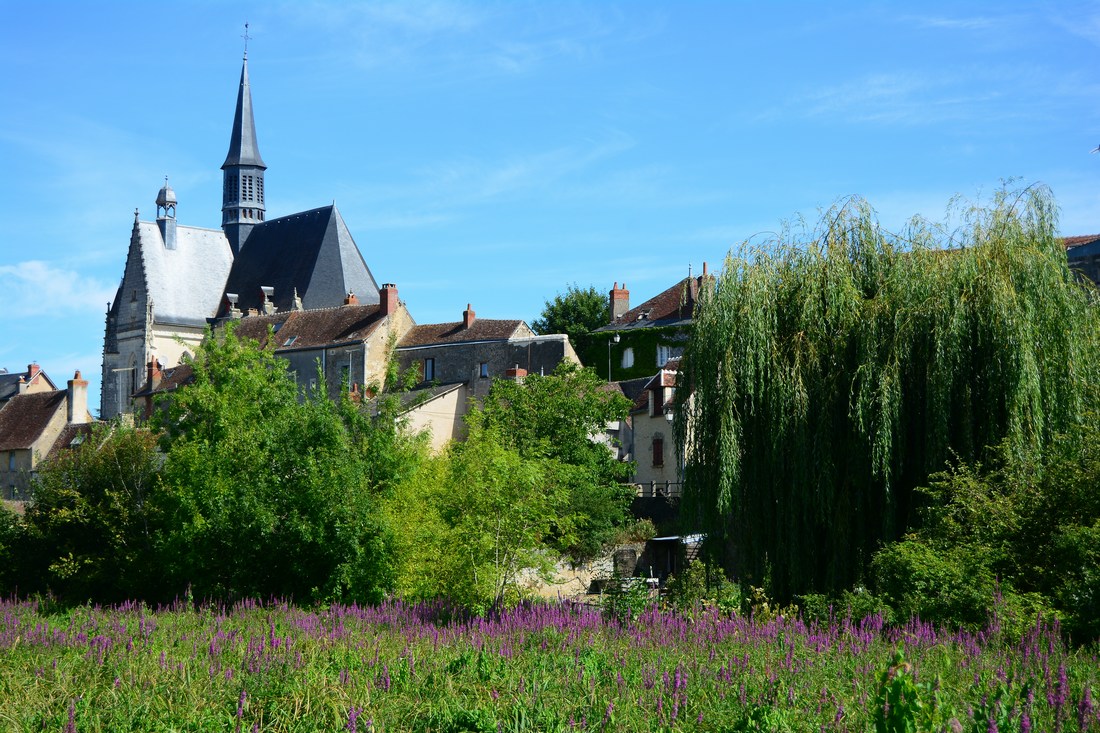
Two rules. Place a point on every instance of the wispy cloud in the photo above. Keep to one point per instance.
(44, 291)
(972, 23)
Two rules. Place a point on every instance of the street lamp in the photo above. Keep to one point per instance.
(613, 339)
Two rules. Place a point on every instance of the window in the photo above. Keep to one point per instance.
(484, 371)
(11, 460)
(429, 370)
(663, 354)
(658, 452)
(628, 357)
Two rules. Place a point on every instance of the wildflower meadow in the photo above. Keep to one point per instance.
(535, 667)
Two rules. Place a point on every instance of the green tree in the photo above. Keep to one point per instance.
(92, 527)
(831, 377)
(558, 417)
(574, 313)
(270, 494)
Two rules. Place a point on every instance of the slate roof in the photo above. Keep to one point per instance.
(675, 305)
(311, 329)
(482, 329)
(9, 383)
(630, 388)
(25, 416)
(311, 252)
(243, 148)
(185, 283)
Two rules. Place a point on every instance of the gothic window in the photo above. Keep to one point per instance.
(260, 189)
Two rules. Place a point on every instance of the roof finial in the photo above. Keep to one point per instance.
(246, 37)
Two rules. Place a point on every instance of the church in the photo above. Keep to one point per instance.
(178, 279)
(302, 279)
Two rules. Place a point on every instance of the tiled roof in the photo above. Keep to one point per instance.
(674, 305)
(170, 380)
(482, 329)
(313, 328)
(311, 252)
(1071, 242)
(68, 438)
(25, 416)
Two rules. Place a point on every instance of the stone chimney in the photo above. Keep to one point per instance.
(468, 316)
(78, 400)
(234, 311)
(387, 299)
(269, 299)
(618, 302)
(23, 384)
(350, 299)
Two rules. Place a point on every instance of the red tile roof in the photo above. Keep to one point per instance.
(1071, 242)
(25, 416)
(671, 306)
(482, 329)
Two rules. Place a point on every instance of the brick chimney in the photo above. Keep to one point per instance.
(153, 374)
(516, 373)
(33, 370)
(350, 299)
(468, 316)
(387, 299)
(78, 400)
(619, 301)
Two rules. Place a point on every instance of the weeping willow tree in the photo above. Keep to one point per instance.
(830, 377)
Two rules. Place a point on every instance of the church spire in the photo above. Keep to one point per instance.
(243, 169)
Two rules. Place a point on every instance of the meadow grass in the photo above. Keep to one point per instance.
(545, 667)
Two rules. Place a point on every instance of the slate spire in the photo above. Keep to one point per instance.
(243, 171)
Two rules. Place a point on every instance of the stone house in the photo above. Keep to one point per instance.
(17, 383)
(35, 423)
(1083, 254)
(641, 339)
(457, 362)
(653, 445)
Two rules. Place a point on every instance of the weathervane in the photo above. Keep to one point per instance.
(246, 37)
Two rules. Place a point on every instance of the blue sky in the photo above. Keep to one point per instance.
(493, 153)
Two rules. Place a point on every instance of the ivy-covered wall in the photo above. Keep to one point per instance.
(593, 350)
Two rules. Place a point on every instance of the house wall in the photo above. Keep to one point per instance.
(442, 417)
(1086, 260)
(461, 362)
(366, 360)
(645, 341)
(646, 429)
(17, 467)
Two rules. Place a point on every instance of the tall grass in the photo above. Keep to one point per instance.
(397, 667)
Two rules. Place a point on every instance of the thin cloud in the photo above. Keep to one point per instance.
(44, 291)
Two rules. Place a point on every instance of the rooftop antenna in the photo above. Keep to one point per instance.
(246, 37)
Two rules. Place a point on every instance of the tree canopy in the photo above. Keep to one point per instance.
(574, 313)
(829, 377)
